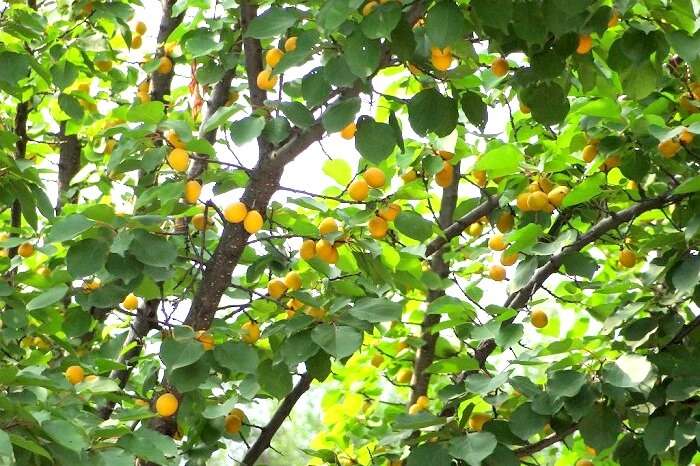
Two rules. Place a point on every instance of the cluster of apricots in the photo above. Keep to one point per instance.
(265, 80)
(670, 147)
(541, 196)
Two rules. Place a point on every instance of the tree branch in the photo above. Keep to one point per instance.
(68, 165)
(533, 448)
(160, 83)
(686, 330)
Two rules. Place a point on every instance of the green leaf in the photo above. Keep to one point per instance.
(688, 186)
(566, 383)
(524, 422)
(417, 421)
(474, 447)
(6, 452)
(246, 129)
(150, 112)
(298, 348)
(315, 88)
(189, 378)
(202, 42)
(338, 341)
(177, 353)
(377, 310)
(628, 371)
(220, 116)
(686, 275)
(333, 13)
(297, 113)
(152, 250)
(413, 225)
(68, 228)
(430, 111)
(149, 445)
(547, 64)
(635, 165)
(474, 108)
(374, 141)
(340, 114)
(381, 21)
(86, 257)
(600, 427)
(580, 264)
(445, 24)
(101, 385)
(274, 379)
(658, 434)
(15, 67)
(339, 170)
(548, 102)
(30, 446)
(362, 55)
(585, 191)
(276, 130)
(630, 451)
(71, 106)
(494, 13)
(48, 297)
(274, 22)
(66, 434)
(501, 161)
(523, 273)
(432, 454)
(237, 357)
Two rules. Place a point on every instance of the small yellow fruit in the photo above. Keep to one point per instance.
(557, 195)
(165, 65)
(130, 302)
(522, 201)
(110, 144)
(477, 421)
(423, 401)
(505, 222)
(584, 463)
(627, 258)
(253, 222)
(669, 148)
(44, 271)
(612, 22)
(294, 304)
(25, 250)
(166, 405)
(273, 57)
(136, 41)
(390, 212)
(415, 409)
(499, 67)
(444, 177)
(140, 27)
(172, 137)
(585, 44)
(369, 7)
(316, 313)
(509, 259)
(348, 132)
(374, 177)
(276, 288)
(169, 48)
(308, 249)
(179, 160)
(326, 251)
(480, 177)
(238, 413)
(328, 225)
(591, 451)
(290, 44)
(200, 222)
(192, 191)
(497, 272)
(404, 375)
(378, 227)
(409, 176)
(103, 65)
(292, 280)
(537, 201)
(235, 212)
(92, 285)
(377, 360)
(250, 332)
(475, 229)
(265, 80)
(441, 58)
(75, 375)
(589, 153)
(206, 339)
(358, 189)
(539, 318)
(90, 378)
(632, 185)
(686, 137)
(497, 242)
(233, 424)
(445, 154)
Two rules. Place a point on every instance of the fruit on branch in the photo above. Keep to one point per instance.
(539, 318)
(537, 201)
(250, 332)
(583, 462)
(611, 162)
(290, 44)
(307, 250)
(348, 132)
(497, 242)
(390, 212)
(130, 302)
(474, 230)
(612, 22)
(377, 360)
(480, 177)
(266, 81)
(206, 339)
(423, 401)
(499, 67)
(170, 135)
(273, 57)
(686, 137)
(253, 222)
(497, 272)
(276, 288)
(404, 375)
(136, 41)
(415, 409)
(590, 152)
(508, 259)
(233, 423)
(317, 313)
(374, 177)
(326, 251)
(585, 44)
(192, 191)
(179, 160)
(445, 154)
(103, 64)
(140, 27)
(522, 201)
(167, 404)
(669, 148)
(165, 65)
(477, 421)
(441, 58)
(292, 280)
(505, 222)
(444, 177)
(377, 227)
(74, 375)
(409, 176)
(25, 250)
(235, 212)
(627, 258)
(358, 190)
(557, 195)
(201, 222)
(369, 7)
(328, 225)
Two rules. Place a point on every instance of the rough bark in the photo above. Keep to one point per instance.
(68, 165)
(160, 82)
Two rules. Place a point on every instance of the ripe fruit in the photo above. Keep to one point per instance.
(349, 131)
(250, 332)
(235, 212)
(445, 154)
(585, 44)
(265, 80)
(686, 137)
(505, 222)
(377, 360)
(612, 161)
(253, 221)
(539, 318)
(200, 222)
(474, 230)
(497, 242)
(480, 177)
(669, 148)
(497, 272)
(238, 413)
(25, 250)
(557, 195)
(477, 421)
(369, 7)
(140, 27)
(165, 65)
(130, 302)
(441, 58)
(316, 312)
(377, 227)
(404, 375)
(294, 304)
(409, 176)
(290, 44)
(192, 191)
(415, 409)
(276, 288)
(390, 212)
(522, 201)
(169, 48)
(584, 463)
(136, 41)
(358, 190)
(328, 225)
(374, 177)
(423, 401)
(612, 22)
(91, 285)
(206, 339)
(233, 424)
(509, 259)
(627, 258)
(444, 177)
(499, 67)
(273, 57)
(292, 280)
(326, 251)
(166, 405)
(170, 135)
(537, 201)
(75, 375)
(308, 249)
(589, 152)
(179, 160)
(103, 65)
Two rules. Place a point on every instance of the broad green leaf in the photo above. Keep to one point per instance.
(71, 106)
(86, 257)
(686, 274)
(566, 383)
(688, 186)
(377, 310)
(585, 191)
(177, 353)
(413, 225)
(66, 434)
(381, 21)
(338, 341)
(150, 112)
(524, 422)
(246, 129)
(600, 427)
(501, 161)
(628, 371)
(431, 112)
(374, 141)
(658, 434)
(220, 116)
(474, 447)
(340, 114)
(494, 13)
(237, 357)
(153, 250)
(273, 22)
(68, 228)
(474, 108)
(297, 113)
(362, 55)
(445, 24)
(433, 454)
(150, 445)
(48, 297)
(339, 170)
(548, 103)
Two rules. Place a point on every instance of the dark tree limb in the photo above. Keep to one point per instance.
(686, 330)
(21, 116)
(533, 448)
(160, 82)
(271, 428)
(68, 165)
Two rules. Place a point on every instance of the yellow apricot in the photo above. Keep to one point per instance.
(136, 41)
(377, 360)
(627, 258)
(415, 409)
(166, 405)
(192, 191)
(348, 132)
(390, 212)
(290, 44)
(477, 421)
(409, 176)
(505, 222)
(445, 176)
(508, 259)
(308, 249)
(266, 80)
(499, 67)
(292, 280)
(140, 27)
(497, 242)
(522, 201)
(369, 7)
(475, 229)
(74, 375)
(206, 339)
(233, 424)
(273, 57)
(612, 22)
(480, 177)
(374, 177)
(103, 64)
(326, 251)
(25, 250)
(130, 302)
(172, 137)
(253, 222)
(316, 313)
(497, 272)
(276, 288)
(235, 212)
(378, 227)
(585, 44)
(404, 375)
(441, 62)
(328, 225)
(557, 195)
(423, 401)
(537, 201)
(669, 148)
(250, 332)
(358, 189)
(686, 137)
(165, 65)
(589, 152)
(200, 222)
(179, 160)
(539, 318)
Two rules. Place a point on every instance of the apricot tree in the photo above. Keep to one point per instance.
(466, 291)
